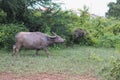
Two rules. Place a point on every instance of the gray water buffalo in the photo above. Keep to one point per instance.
(35, 40)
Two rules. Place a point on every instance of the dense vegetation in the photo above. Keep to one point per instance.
(23, 15)
(114, 10)
(101, 32)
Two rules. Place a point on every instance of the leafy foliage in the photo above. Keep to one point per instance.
(114, 9)
(101, 32)
(7, 34)
(15, 9)
(113, 71)
(19, 10)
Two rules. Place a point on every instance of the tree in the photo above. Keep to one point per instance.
(17, 10)
(84, 14)
(46, 10)
(14, 9)
(114, 9)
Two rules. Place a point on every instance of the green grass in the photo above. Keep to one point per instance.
(76, 60)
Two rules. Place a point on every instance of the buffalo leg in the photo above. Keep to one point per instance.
(46, 51)
(16, 49)
(37, 50)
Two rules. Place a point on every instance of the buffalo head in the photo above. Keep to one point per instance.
(56, 38)
(79, 33)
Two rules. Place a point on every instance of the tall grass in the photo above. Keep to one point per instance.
(76, 60)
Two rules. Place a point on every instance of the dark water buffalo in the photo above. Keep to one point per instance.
(35, 40)
(79, 33)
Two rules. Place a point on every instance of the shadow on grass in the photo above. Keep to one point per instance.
(31, 53)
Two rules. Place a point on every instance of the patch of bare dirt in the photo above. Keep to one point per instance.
(45, 76)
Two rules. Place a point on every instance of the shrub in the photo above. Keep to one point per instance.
(102, 32)
(115, 71)
(7, 33)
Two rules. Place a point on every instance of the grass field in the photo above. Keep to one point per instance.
(76, 60)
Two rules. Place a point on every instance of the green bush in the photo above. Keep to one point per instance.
(115, 71)
(102, 32)
(7, 33)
